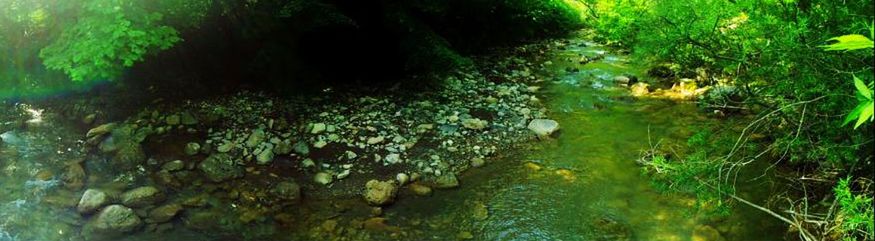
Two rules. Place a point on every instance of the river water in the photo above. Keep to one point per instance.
(584, 184)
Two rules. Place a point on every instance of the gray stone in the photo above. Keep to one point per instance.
(92, 200)
(100, 130)
(142, 197)
(220, 167)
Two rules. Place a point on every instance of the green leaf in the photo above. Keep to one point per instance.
(866, 114)
(862, 88)
(849, 42)
(854, 114)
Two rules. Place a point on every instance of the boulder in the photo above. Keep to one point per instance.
(142, 197)
(172, 166)
(220, 167)
(114, 219)
(379, 193)
(543, 127)
(265, 156)
(92, 200)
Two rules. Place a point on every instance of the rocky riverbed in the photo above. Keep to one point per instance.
(225, 164)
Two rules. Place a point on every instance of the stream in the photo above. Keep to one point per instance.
(584, 184)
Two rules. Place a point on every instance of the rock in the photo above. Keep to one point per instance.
(225, 147)
(308, 163)
(113, 220)
(265, 156)
(287, 190)
(706, 233)
(220, 167)
(477, 162)
(481, 211)
(402, 178)
(393, 158)
(89, 119)
(448, 180)
(172, 120)
(640, 89)
(610, 229)
(100, 130)
(475, 124)
(318, 128)
(319, 144)
(543, 127)
(129, 155)
(419, 189)
(343, 174)
(323, 178)
(192, 148)
(172, 166)
(302, 148)
(164, 213)
(142, 197)
(92, 200)
(255, 138)
(283, 147)
(188, 119)
(74, 176)
(375, 140)
(379, 193)
(622, 79)
(465, 235)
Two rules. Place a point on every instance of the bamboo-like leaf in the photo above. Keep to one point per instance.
(862, 88)
(849, 42)
(866, 114)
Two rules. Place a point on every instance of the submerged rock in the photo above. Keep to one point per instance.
(543, 127)
(265, 156)
(113, 220)
(220, 167)
(287, 190)
(92, 200)
(255, 138)
(447, 180)
(706, 233)
(164, 213)
(74, 176)
(419, 189)
(142, 197)
(379, 193)
(171, 166)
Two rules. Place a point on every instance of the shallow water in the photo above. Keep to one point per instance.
(584, 184)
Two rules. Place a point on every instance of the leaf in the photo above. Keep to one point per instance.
(862, 88)
(866, 114)
(854, 114)
(849, 42)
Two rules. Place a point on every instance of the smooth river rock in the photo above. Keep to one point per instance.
(142, 197)
(543, 127)
(92, 200)
(112, 220)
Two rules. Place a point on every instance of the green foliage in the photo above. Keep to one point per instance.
(110, 36)
(855, 212)
(864, 109)
(695, 173)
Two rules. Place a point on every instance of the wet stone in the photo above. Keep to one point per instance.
(380, 193)
(447, 180)
(142, 197)
(287, 190)
(92, 200)
(163, 213)
(220, 167)
(112, 220)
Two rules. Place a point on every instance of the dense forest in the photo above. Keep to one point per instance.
(782, 92)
